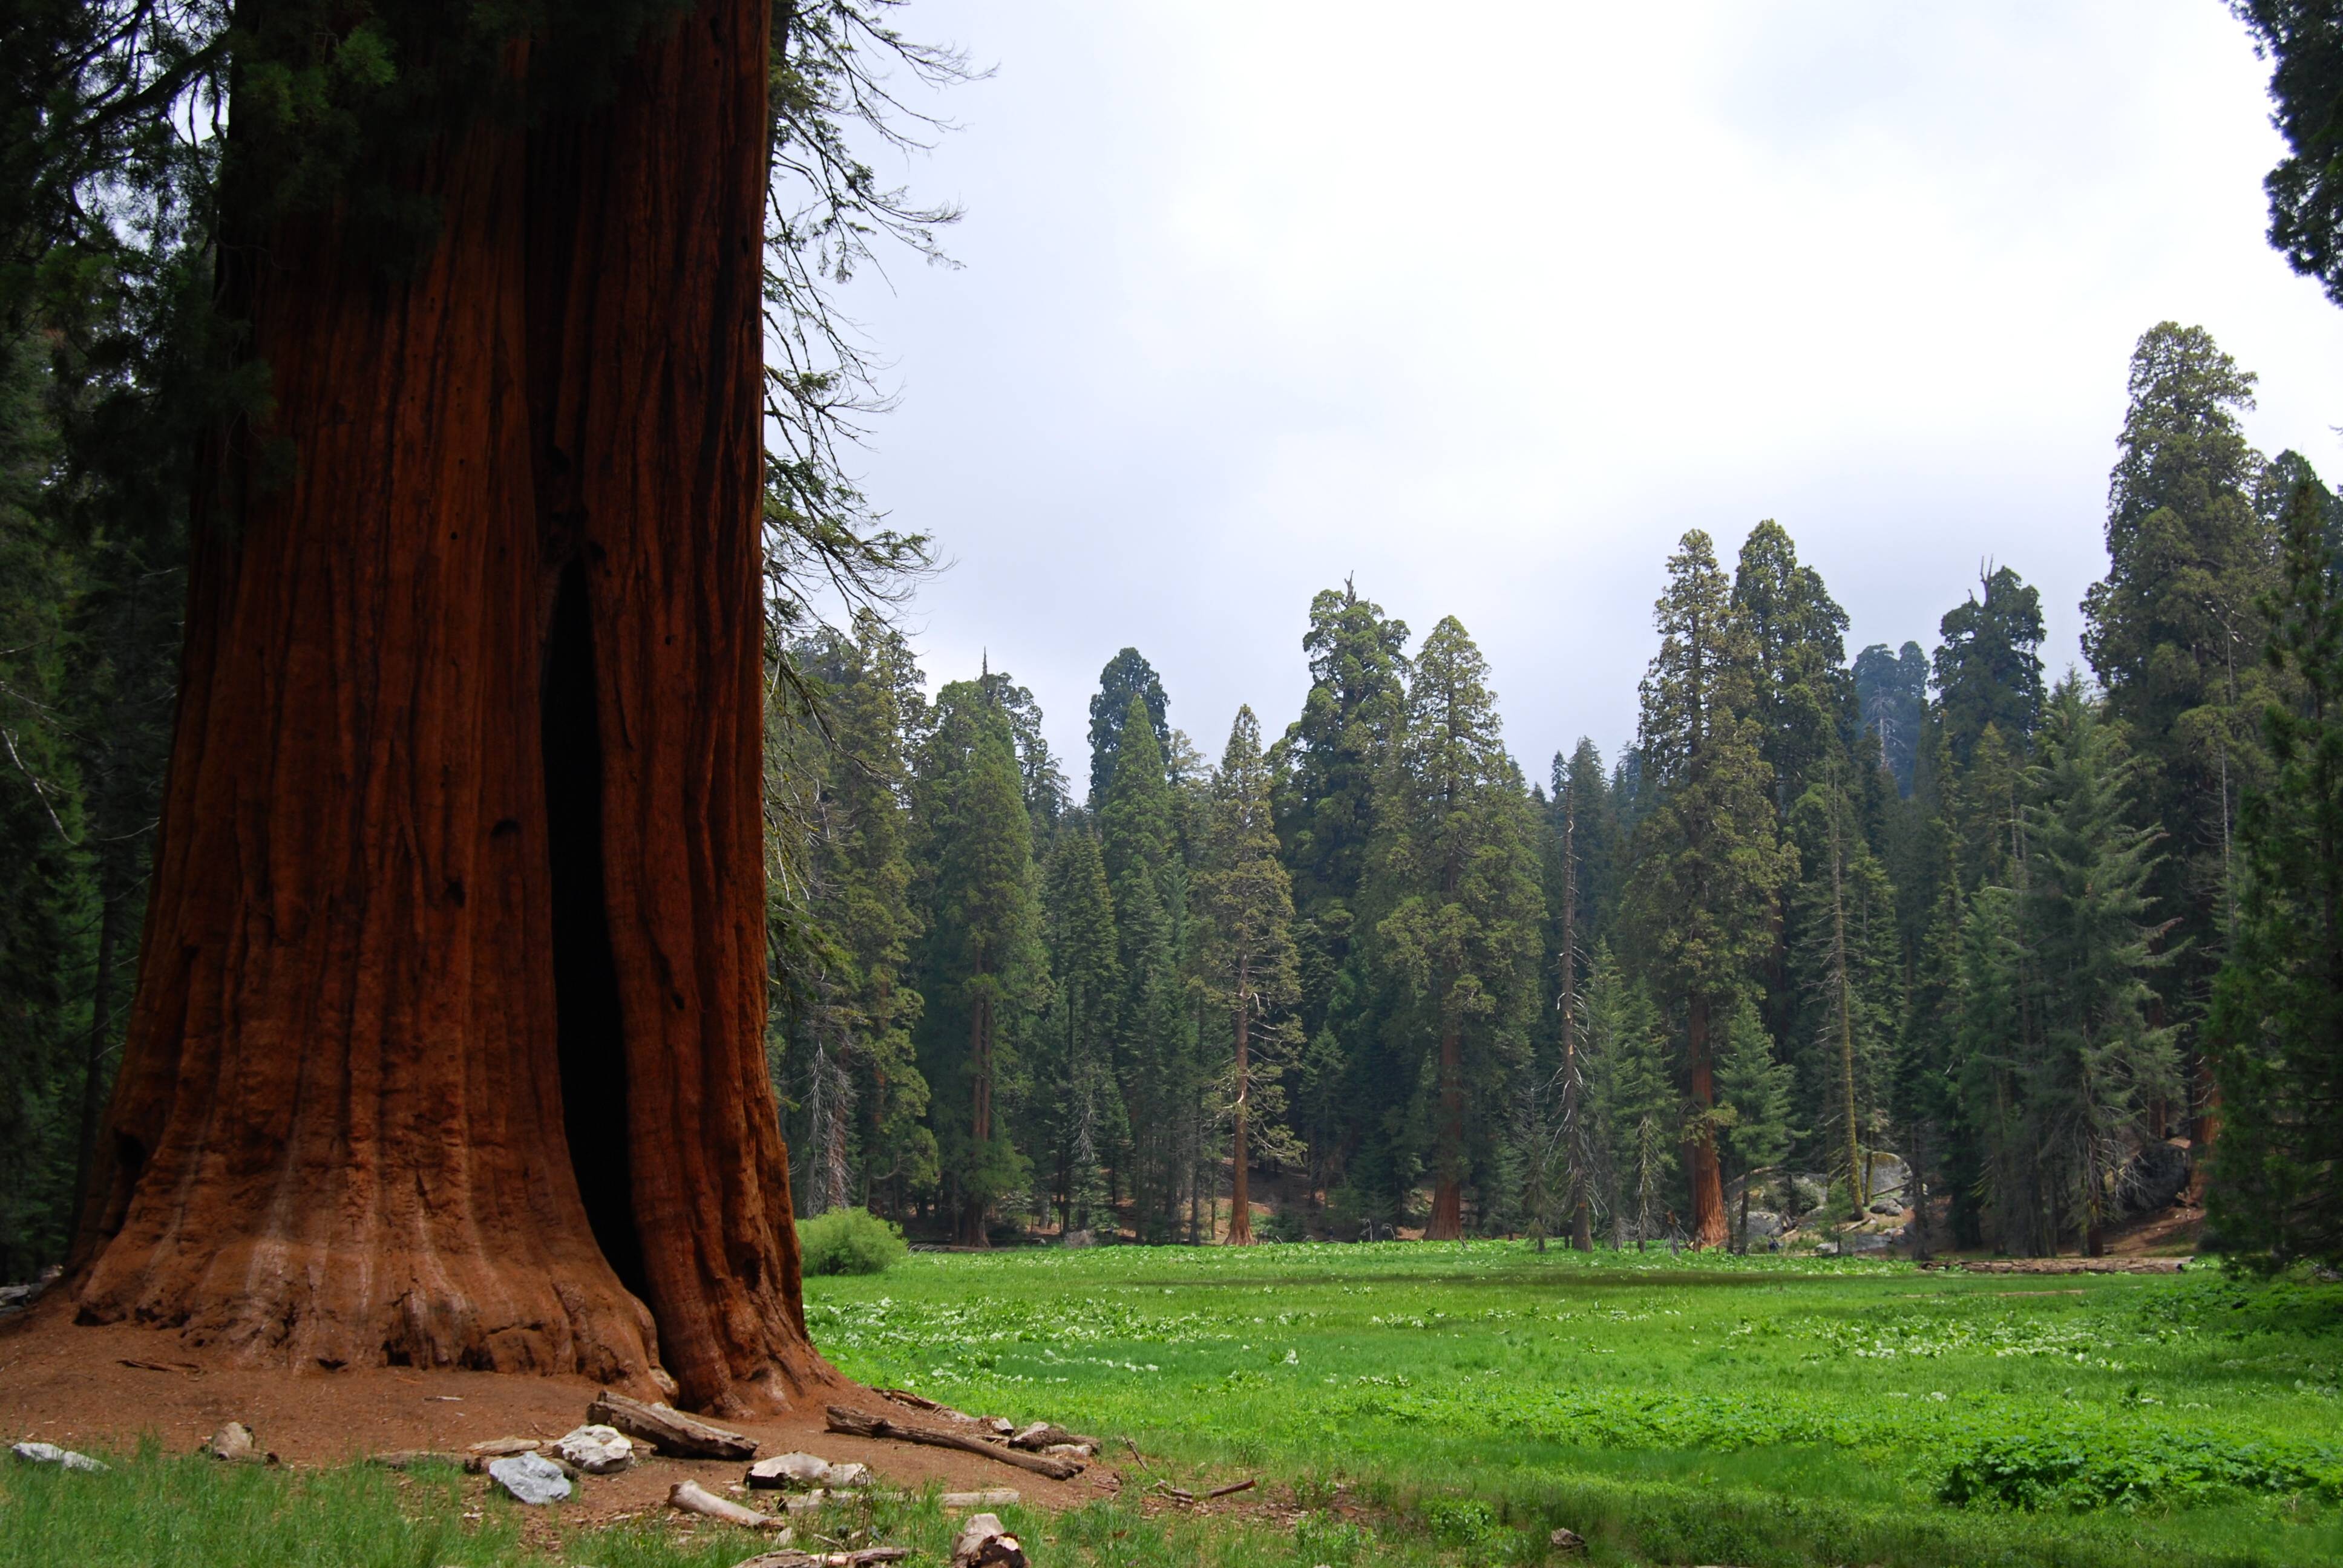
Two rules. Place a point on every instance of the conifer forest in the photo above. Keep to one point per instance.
(1827, 911)
(668, 845)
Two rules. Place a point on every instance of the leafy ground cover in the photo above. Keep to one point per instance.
(1416, 1404)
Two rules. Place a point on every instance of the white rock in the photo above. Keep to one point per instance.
(789, 1470)
(530, 1478)
(848, 1474)
(598, 1449)
(50, 1453)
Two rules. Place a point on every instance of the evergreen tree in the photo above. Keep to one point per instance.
(1630, 1105)
(863, 897)
(1708, 864)
(1892, 689)
(1083, 1117)
(2174, 631)
(1140, 848)
(1245, 904)
(2063, 1063)
(1581, 889)
(2276, 1033)
(1327, 770)
(1848, 962)
(1756, 1116)
(1987, 670)
(1126, 675)
(1466, 912)
(1794, 634)
(985, 969)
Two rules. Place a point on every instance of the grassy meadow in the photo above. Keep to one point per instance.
(1670, 1408)
(1431, 1403)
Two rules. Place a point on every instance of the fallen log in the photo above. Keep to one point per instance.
(689, 1497)
(1234, 1486)
(670, 1431)
(826, 1559)
(855, 1424)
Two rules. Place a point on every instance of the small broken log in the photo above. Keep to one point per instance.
(1176, 1493)
(1234, 1486)
(670, 1429)
(1042, 1436)
(190, 1368)
(998, 1497)
(689, 1497)
(826, 1559)
(499, 1447)
(855, 1424)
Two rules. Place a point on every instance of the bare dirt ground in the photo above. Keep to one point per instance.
(108, 1387)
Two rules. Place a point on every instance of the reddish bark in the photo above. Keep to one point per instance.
(448, 1045)
(1708, 1226)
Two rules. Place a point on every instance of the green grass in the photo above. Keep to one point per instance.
(1442, 1405)
(1671, 1410)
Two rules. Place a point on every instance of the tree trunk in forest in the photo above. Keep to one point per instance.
(448, 1045)
(1239, 1193)
(1447, 1221)
(1708, 1226)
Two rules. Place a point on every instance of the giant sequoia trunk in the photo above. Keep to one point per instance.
(1708, 1227)
(447, 1044)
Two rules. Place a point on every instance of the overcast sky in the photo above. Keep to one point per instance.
(1487, 304)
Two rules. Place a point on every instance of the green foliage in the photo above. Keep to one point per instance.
(1987, 671)
(2043, 1470)
(1127, 675)
(2305, 189)
(2175, 630)
(849, 1242)
(2276, 1026)
(984, 974)
(1668, 1409)
(1892, 692)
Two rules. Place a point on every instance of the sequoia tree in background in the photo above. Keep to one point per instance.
(446, 1049)
(1708, 864)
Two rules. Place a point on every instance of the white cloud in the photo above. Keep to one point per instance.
(1487, 306)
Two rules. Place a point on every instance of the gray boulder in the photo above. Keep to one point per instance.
(1763, 1223)
(1889, 1175)
(530, 1478)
